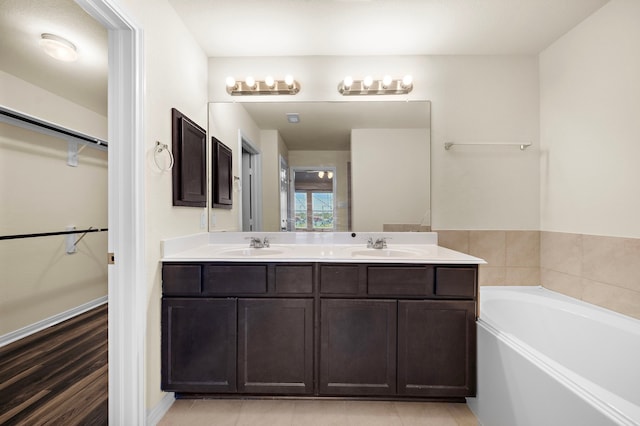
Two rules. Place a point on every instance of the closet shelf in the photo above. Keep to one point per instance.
(49, 234)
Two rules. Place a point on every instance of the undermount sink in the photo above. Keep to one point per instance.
(387, 252)
(251, 252)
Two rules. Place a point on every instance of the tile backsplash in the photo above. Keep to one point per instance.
(604, 271)
(513, 257)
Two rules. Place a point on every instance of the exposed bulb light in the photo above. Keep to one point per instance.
(407, 81)
(320, 175)
(270, 82)
(288, 80)
(369, 86)
(58, 47)
(268, 86)
(330, 175)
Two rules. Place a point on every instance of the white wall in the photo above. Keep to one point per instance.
(389, 177)
(175, 70)
(486, 98)
(41, 193)
(229, 123)
(590, 125)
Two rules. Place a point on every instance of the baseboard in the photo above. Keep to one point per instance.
(155, 414)
(23, 332)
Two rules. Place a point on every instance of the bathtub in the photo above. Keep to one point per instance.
(548, 359)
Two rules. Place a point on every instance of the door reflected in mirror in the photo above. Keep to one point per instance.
(374, 158)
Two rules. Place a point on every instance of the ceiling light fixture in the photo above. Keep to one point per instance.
(270, 86)
(369, 86)
(58, 47)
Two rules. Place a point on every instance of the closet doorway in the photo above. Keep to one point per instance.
(126, 273)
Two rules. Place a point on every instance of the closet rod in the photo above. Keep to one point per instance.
(49, 234)
(28, 122)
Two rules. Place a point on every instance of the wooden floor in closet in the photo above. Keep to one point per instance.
(58, 375)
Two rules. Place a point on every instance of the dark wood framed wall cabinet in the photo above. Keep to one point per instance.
(222, 160)
(189, 170)
(378, 331)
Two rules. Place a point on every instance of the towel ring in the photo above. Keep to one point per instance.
(162, 147)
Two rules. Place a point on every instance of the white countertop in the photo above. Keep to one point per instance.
(402, 247)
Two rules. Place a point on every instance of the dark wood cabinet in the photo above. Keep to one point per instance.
(320, 329)
(199, 345)
(222, 175)
(358, 347)
(189, 143)
(275, 346)
(436, 348)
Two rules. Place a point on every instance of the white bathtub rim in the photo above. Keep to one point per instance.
(596, 397)
(566, 303)
(616, 408)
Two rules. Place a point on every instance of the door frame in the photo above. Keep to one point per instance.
(292, 191)
(248, 145)
(127, 288)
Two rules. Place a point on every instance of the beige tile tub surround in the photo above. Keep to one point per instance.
(316, 413)
(513, 257)
(601, 270)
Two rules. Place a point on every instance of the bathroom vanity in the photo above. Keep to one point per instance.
(317, 320)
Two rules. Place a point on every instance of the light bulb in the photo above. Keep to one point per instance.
(348, 81)
(251, 82)
(407, 81)
(320, 175)
(386, 81)
(367, 82)
(288, 79)
(330, 175)
(269, 81)
(231, 82)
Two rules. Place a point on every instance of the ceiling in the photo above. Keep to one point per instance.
(380, 27)
(288, 28)
(328, 125)
(83, 82)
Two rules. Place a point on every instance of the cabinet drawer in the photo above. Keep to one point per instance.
(236, 279)
(181, 280)
(294, 279)
(339, 279)
(401, 280)
(456, 282)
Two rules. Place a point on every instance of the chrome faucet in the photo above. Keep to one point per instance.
(258, 243)
(379, 243)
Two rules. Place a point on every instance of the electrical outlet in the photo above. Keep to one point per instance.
(203, 219)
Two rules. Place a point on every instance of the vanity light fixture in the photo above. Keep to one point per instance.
(58, 47)
(322, 174)
(268, 86)
(369, 86)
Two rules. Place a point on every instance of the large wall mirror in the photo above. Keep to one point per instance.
(326, 166)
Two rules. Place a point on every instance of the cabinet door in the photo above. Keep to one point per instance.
(275, 346)
(358, 347)
(436, 348)
(189, 171)
(222, 175)
(199, 345)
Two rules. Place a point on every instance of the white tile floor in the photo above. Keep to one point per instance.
(316, 413)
